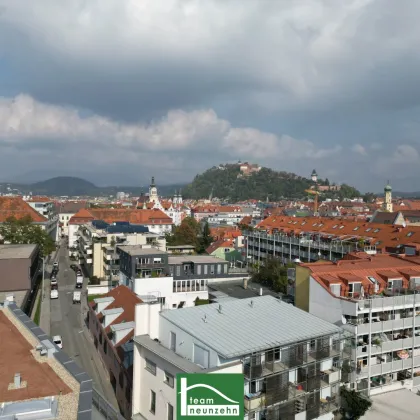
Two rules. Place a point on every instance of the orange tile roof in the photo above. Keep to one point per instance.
(381, 235)
(18, 208)
(381, 267)
(134, 216)
(225, 232)
(124, 298)
(221, 243)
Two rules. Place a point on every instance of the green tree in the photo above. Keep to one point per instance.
(23, 231)
(185, 234)
(272, 274)
(205, 238)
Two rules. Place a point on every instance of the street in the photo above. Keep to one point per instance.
(67, 320)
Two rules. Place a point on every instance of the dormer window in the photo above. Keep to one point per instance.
(341, 227)
(334, 226)
(356, 228)
(410, 234)
(315, 224)
(368, 229)
(376, 230)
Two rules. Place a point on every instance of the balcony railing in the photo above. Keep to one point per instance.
(151, 265)
(254, 402)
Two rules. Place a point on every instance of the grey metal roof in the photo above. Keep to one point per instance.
(104, 299)
(166, 354)
(137, 250)
(203, 259)
(112, 311)
(16, 251)
(248, 325)
(122, 326)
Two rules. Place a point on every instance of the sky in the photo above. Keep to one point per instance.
(116, 91)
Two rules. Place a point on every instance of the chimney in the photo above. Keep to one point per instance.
(245, 284)
(260, 291)
(17, 380)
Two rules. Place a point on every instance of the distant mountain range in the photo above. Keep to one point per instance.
(72, 186)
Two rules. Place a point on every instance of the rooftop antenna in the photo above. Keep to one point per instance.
(220, 309)
(205, 319)
(252, 303)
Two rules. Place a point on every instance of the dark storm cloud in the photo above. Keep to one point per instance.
(323, 77)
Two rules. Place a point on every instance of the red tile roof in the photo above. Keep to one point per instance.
(382, 267)
(221, 243)
(18, 208)
(381, 235)
(134, 216)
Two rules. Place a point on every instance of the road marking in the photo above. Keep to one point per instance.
(80, 331)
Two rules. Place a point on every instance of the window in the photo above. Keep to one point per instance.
(341, 227)
(151, 367)
(303, 223)
(356, 228)
(212, 269)
(376, 230)
(368, 229)
(321, 224)
(219, 269)
(172, 341)
(201, 356)
(152, 402)
(198, 269)
(169, 379)
(205, 269)
(170, 412)
(178, 270)
(410, 234)
(334, 226)
(315, 224)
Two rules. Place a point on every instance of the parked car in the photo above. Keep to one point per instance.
(77, 297)
(53, 276)
(55, 264)
(74, 267)
(58, 341)
(54, 294)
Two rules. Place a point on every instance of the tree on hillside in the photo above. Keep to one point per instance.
(273, 274)
(23, 231)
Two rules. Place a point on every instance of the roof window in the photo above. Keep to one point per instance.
(368, 229)
(321, 224)
(334, 226)
(376, 230)
(356, 228)
(315, 224)
(303, 223)
(410, 234)
(341, 227)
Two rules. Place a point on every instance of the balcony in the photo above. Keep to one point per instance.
(254, 402)
(150, 265)
(389, 367)
(388, 325)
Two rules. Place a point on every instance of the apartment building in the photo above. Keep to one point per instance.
(17, 208)
(20, 268)
(111, 323)
(154, 220)
(315, 238)
(43, 205)
(290, 359)
(227, 215)
(376, 299)
(66, 210)
(176, 281)
(38, 380)
(97, 241)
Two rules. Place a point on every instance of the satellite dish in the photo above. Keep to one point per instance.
(404, 224)
(343, 320)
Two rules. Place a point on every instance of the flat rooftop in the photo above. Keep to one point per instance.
(8, 252)
(235, 289)
(196, 259)
(248, 325)
(17, 356)
(399, 404)
(139, 250)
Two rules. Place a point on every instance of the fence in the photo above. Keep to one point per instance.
(103, 406)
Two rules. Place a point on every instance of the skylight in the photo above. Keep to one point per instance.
(356, 228)
(341, 227)
(321, 224)
(368, 229)
(315, 224)
(410, 234)
(334, 226)
(376, 230)
(303, 223)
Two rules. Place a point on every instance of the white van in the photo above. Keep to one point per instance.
(54, 294)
